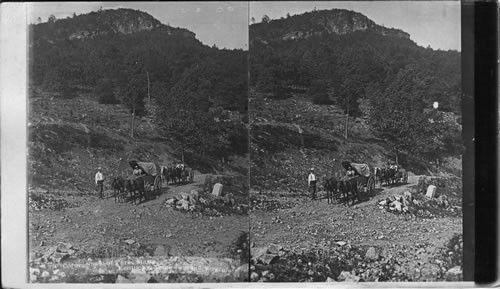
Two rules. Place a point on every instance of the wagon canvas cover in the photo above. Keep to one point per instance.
(148, 168)
(362, 169)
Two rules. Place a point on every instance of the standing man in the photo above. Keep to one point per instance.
(99, 181)
(312, 184)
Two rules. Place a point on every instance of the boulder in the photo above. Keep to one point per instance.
(405, 202)
(129, 241)
(329, 279)
(341, 243)
(347, 276)
(382, 203)
(183, 204)
(59, 257)
(372, 254)
(431, 191)
(64, 247)
(254, 277)
(258, 252)
(407, 195)
(454, 274)
(241, 273)
(170, 202)
(184, 195)
(229, 199)
(141, 278)
(122, 280)
(269, 258)
(274, 249)
(397, 206)
(217, 190)
(160, 251)
(194, 196)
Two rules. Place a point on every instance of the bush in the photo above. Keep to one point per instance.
(104, 91)
(319, 93)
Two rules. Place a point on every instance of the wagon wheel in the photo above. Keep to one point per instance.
(157, 184)
(370, 185)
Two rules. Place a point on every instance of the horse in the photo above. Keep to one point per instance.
(377, 173)
(348, 185)
(389, 176)
(186, 174)
(331, 187)
(118, 185)
(135, 186)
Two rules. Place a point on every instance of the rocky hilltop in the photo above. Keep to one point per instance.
(315, 23)
(103, 22)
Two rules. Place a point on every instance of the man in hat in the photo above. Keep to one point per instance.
(312, 184)
(137, 171)
(350, 172)
(99, 181)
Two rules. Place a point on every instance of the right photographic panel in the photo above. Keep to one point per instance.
(355, 141)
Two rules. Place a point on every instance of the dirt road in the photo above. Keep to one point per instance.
(302, 225)
(100, 227)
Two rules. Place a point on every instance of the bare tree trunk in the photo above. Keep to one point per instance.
(182, 156)
(133, 118)
(347, 119)
(149, 95)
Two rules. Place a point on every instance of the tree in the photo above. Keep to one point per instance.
(105, 92)
(52, 18)
(319, 92)
(400, 116)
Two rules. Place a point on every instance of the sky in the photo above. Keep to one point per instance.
(225, 24)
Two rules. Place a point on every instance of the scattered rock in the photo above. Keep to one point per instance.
(330, 280)
(407, 195)
(341, 243)
(348, 277)
(45, 274)
(254, 277)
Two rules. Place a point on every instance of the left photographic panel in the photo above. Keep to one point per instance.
(138, 142)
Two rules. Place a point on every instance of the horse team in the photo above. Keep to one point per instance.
(136, 187)
(347, 188)
(176, 174)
